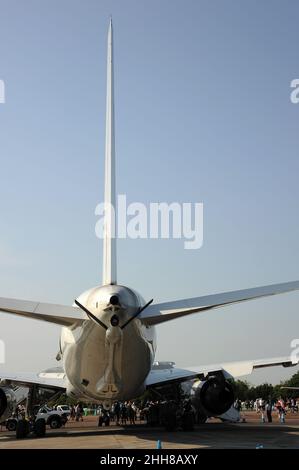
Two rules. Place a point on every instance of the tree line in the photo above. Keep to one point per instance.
(245, 391)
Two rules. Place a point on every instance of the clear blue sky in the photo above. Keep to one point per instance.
(203, 114)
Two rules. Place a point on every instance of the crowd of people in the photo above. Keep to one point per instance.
(76, 412)
(150, 412)
(122, 413)
(266, 407)
(119, 413)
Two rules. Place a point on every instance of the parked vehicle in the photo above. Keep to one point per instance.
(64, 408)
(54, 418)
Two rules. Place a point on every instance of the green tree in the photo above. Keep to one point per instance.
(264, 391)
(293, 381)
(285, 393)
(241, 389)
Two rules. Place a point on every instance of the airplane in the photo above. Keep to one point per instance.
(108, 342)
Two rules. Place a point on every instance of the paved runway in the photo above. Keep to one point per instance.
(213, 434)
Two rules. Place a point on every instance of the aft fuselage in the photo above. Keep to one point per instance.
(108, 362)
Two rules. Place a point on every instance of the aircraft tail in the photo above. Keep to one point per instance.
(109, 240)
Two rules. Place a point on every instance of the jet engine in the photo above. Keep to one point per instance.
(212, 397)
(8, 403)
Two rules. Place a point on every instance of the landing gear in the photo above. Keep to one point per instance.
(40, 428)
(170, 423)
(104, 418)
(200, 418)
(22, 429)
(23, 426)
(188, 421)
(177, 416)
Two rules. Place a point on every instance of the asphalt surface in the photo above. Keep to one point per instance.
(213, 434)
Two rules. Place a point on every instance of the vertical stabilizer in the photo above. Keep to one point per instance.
(109, 248)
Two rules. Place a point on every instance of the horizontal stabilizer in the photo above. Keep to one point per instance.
(60, 314)
(159, 313)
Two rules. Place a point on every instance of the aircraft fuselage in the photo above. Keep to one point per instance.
(108, 362)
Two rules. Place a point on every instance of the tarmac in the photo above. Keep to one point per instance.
(213, 434)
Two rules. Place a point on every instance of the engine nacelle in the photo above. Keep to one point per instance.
(8, 403)
(213, 396)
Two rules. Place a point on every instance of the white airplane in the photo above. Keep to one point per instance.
(108, 344)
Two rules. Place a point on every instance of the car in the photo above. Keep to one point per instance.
(54, 418)
(64, 408)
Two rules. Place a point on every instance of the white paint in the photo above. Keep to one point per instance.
(109, 244)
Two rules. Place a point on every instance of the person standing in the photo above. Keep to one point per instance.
(116, 412)
(72, 413)
(269, 411)
(131, 413)
(124, 413)
(262, 409)
(79, 412)
(281, 410)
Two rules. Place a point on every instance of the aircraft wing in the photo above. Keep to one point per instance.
(60, 314)
(230, 370)
(26, 380)
(159, 313)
